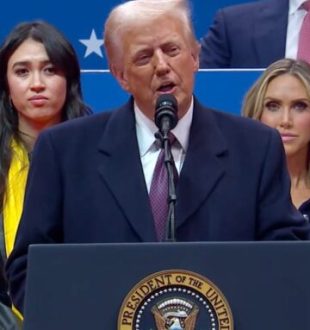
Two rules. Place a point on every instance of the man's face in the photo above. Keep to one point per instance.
(158, 58)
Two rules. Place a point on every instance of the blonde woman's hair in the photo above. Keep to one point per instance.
(253, 105)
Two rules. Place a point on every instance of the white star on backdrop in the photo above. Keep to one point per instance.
(92, 44)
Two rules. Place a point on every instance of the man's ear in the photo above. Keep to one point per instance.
(120, 77)
(195, 55)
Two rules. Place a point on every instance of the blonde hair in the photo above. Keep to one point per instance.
(135, 12)
(253, 103)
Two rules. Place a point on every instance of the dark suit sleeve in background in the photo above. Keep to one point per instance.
(215, 52)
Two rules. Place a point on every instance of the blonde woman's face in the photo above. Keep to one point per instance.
(287, 108)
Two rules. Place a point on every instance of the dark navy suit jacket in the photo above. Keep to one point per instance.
(251, 35)
(4, 299)
(86, 184)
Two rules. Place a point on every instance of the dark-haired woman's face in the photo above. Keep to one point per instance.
(36, 87)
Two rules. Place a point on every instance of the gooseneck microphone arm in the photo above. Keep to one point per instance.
(166, 119)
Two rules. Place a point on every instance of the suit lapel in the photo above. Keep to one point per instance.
(269, 34)
(121, 169)
(122, 172)
(203, 167)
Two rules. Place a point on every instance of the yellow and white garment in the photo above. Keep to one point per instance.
(14, 196)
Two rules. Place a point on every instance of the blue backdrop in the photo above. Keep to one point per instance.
(223, 89)
(82, 22)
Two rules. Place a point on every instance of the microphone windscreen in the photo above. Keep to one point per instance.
(166, 105)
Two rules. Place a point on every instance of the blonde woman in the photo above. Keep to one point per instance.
(280, 98)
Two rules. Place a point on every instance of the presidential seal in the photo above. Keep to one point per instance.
(175, 300)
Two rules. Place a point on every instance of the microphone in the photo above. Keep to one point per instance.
(166, 117)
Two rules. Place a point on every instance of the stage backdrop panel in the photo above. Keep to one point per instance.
(82, 21)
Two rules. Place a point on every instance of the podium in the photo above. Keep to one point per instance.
(264, 285)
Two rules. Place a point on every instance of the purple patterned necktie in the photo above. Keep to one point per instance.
(159, 193)
(304, 35)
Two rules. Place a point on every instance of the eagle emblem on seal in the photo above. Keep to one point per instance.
(175, 314)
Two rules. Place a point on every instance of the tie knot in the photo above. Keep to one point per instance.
(306, 5)
(159, 140)
(171, 138)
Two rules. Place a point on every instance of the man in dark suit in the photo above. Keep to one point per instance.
(89, 179)
(250, 35)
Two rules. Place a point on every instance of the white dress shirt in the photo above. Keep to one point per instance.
(146, 128)
(295, 18)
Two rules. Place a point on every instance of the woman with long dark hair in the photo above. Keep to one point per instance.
(39, 87)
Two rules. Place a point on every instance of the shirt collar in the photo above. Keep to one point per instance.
(295, 5)
(146, 129)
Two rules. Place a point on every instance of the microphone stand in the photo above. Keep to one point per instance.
(169, 163)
